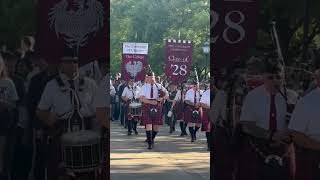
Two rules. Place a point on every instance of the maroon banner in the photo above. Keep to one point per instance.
(133, 65)
(178, 60)
(233, 29)
(77, 24)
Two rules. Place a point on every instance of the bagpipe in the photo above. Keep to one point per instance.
(290, 105)
(196, 110)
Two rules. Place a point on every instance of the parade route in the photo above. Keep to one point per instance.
(173, 156)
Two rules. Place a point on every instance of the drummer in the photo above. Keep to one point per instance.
(152, 95)
(205, 105)
(67, 96)
(128, 96)
(305, 128)
(192, 113)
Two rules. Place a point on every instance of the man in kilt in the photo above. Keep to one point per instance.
(265, 153)
(152, 95)
(192, 112)
(205, 106)
(178, 108)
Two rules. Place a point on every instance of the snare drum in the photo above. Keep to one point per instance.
(135, 109)
(81, 151)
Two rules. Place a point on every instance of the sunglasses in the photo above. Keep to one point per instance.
(274, 77)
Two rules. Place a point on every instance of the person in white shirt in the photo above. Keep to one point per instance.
(128, 96)
(264, 125)
(103, 112)
(206, 125)
(68, 98)
(152, 95)
(178, 103)
(305, 129)
(192, 112)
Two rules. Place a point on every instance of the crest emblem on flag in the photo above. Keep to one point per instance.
(75, 21)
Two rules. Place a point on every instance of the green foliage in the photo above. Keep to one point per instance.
(17, 18)
(289, 16)
(152, 21)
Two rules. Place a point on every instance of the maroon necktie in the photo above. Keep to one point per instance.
(273, 115)
(151, 92)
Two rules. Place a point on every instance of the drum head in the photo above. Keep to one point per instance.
(135, 105)
(80, 138)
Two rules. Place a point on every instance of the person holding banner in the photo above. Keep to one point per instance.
(192, 112)
(305, 129)
(266, 151)
(206, 126)
(152, 95)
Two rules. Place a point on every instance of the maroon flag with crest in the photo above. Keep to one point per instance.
(178, 56)
(134, 61)
(78, 24)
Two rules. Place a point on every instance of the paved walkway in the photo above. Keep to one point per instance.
(173, 156)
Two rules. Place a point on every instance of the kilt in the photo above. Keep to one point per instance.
(179, 110)
(307, 164)
(146, 119)
(188, 115)
(250, 163)
(206, 125)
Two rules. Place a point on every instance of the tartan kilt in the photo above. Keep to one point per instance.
(146, 119)
(179, 110)
(188, 115)
(206, 125)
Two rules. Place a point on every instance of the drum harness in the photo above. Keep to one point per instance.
(75, 101)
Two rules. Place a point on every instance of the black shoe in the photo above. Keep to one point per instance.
(146, 141)
(129, 133)
(150, 146)
(136, 132)
(185, 133)
(171, 131)
(192, 139)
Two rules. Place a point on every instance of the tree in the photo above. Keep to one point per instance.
(152, 21)
(18, 18)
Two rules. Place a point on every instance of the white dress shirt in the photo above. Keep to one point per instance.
(145, 91)
(128, 92)
(256, 108)
(305, 117)
(56, 99)
(190, 96)
(205, 98)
